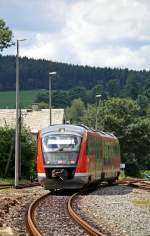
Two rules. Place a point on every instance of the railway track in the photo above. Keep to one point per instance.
(28, 185)
(35, 229)
(142, 184)
(20, 186)
(88, 228)
(30, 220)
(58, 221)
(5, 186)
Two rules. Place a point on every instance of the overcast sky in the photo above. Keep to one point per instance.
(111, 33)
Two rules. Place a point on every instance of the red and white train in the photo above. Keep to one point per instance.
(71, 156)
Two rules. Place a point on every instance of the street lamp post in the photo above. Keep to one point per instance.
(51, 74)
(97, 105)
(17, 138)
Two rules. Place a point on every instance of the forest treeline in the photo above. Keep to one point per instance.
(34, 75)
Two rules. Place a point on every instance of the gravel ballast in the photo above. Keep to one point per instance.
(119, 210)
(52, 218)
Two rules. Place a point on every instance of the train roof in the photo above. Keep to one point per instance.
(67, 127)
(78, 129)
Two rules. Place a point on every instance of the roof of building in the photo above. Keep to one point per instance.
(34, 120)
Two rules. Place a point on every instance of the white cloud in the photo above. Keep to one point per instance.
(114, 57)
(98, 32)
(41, 47)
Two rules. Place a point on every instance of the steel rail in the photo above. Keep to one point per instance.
(30, 221)
(138, 183)
(26, 185)
(5, 186)
(141, 185)
(88, 228)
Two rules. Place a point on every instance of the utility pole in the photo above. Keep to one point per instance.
(17, 138)
(97, 105)
(51, 74)
(17, 120)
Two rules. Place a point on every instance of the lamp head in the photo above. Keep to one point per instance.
(21, 40)
(53, 73)
(98, 96)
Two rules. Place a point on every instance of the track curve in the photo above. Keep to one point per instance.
(88, 228)
(32, 225)
(30, 222)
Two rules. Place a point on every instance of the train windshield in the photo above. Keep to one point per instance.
(60, 149)
(63, 142)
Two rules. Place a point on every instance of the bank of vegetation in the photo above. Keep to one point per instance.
(27, 165)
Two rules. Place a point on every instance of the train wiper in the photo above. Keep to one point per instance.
(60, 149)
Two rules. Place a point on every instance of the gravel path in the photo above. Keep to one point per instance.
(52, 218)
(120, 210)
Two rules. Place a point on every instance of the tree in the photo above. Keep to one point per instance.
(148, 110)
(89, 116)
(59, 98)
(43, 105)
(146, 87)
(119, 111)
(131, 88)
(138, 143)
(97, 89)
(5, 35)
(7, 152)
(113, 88)
(77, 92)
(42, 97)
(116, 115)
(143, 101)
(121, 116)
(76, 111)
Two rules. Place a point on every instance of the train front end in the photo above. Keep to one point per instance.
(58, 154)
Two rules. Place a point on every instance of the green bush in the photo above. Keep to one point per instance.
(7, 153)
(145, 174)
(132, 170)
